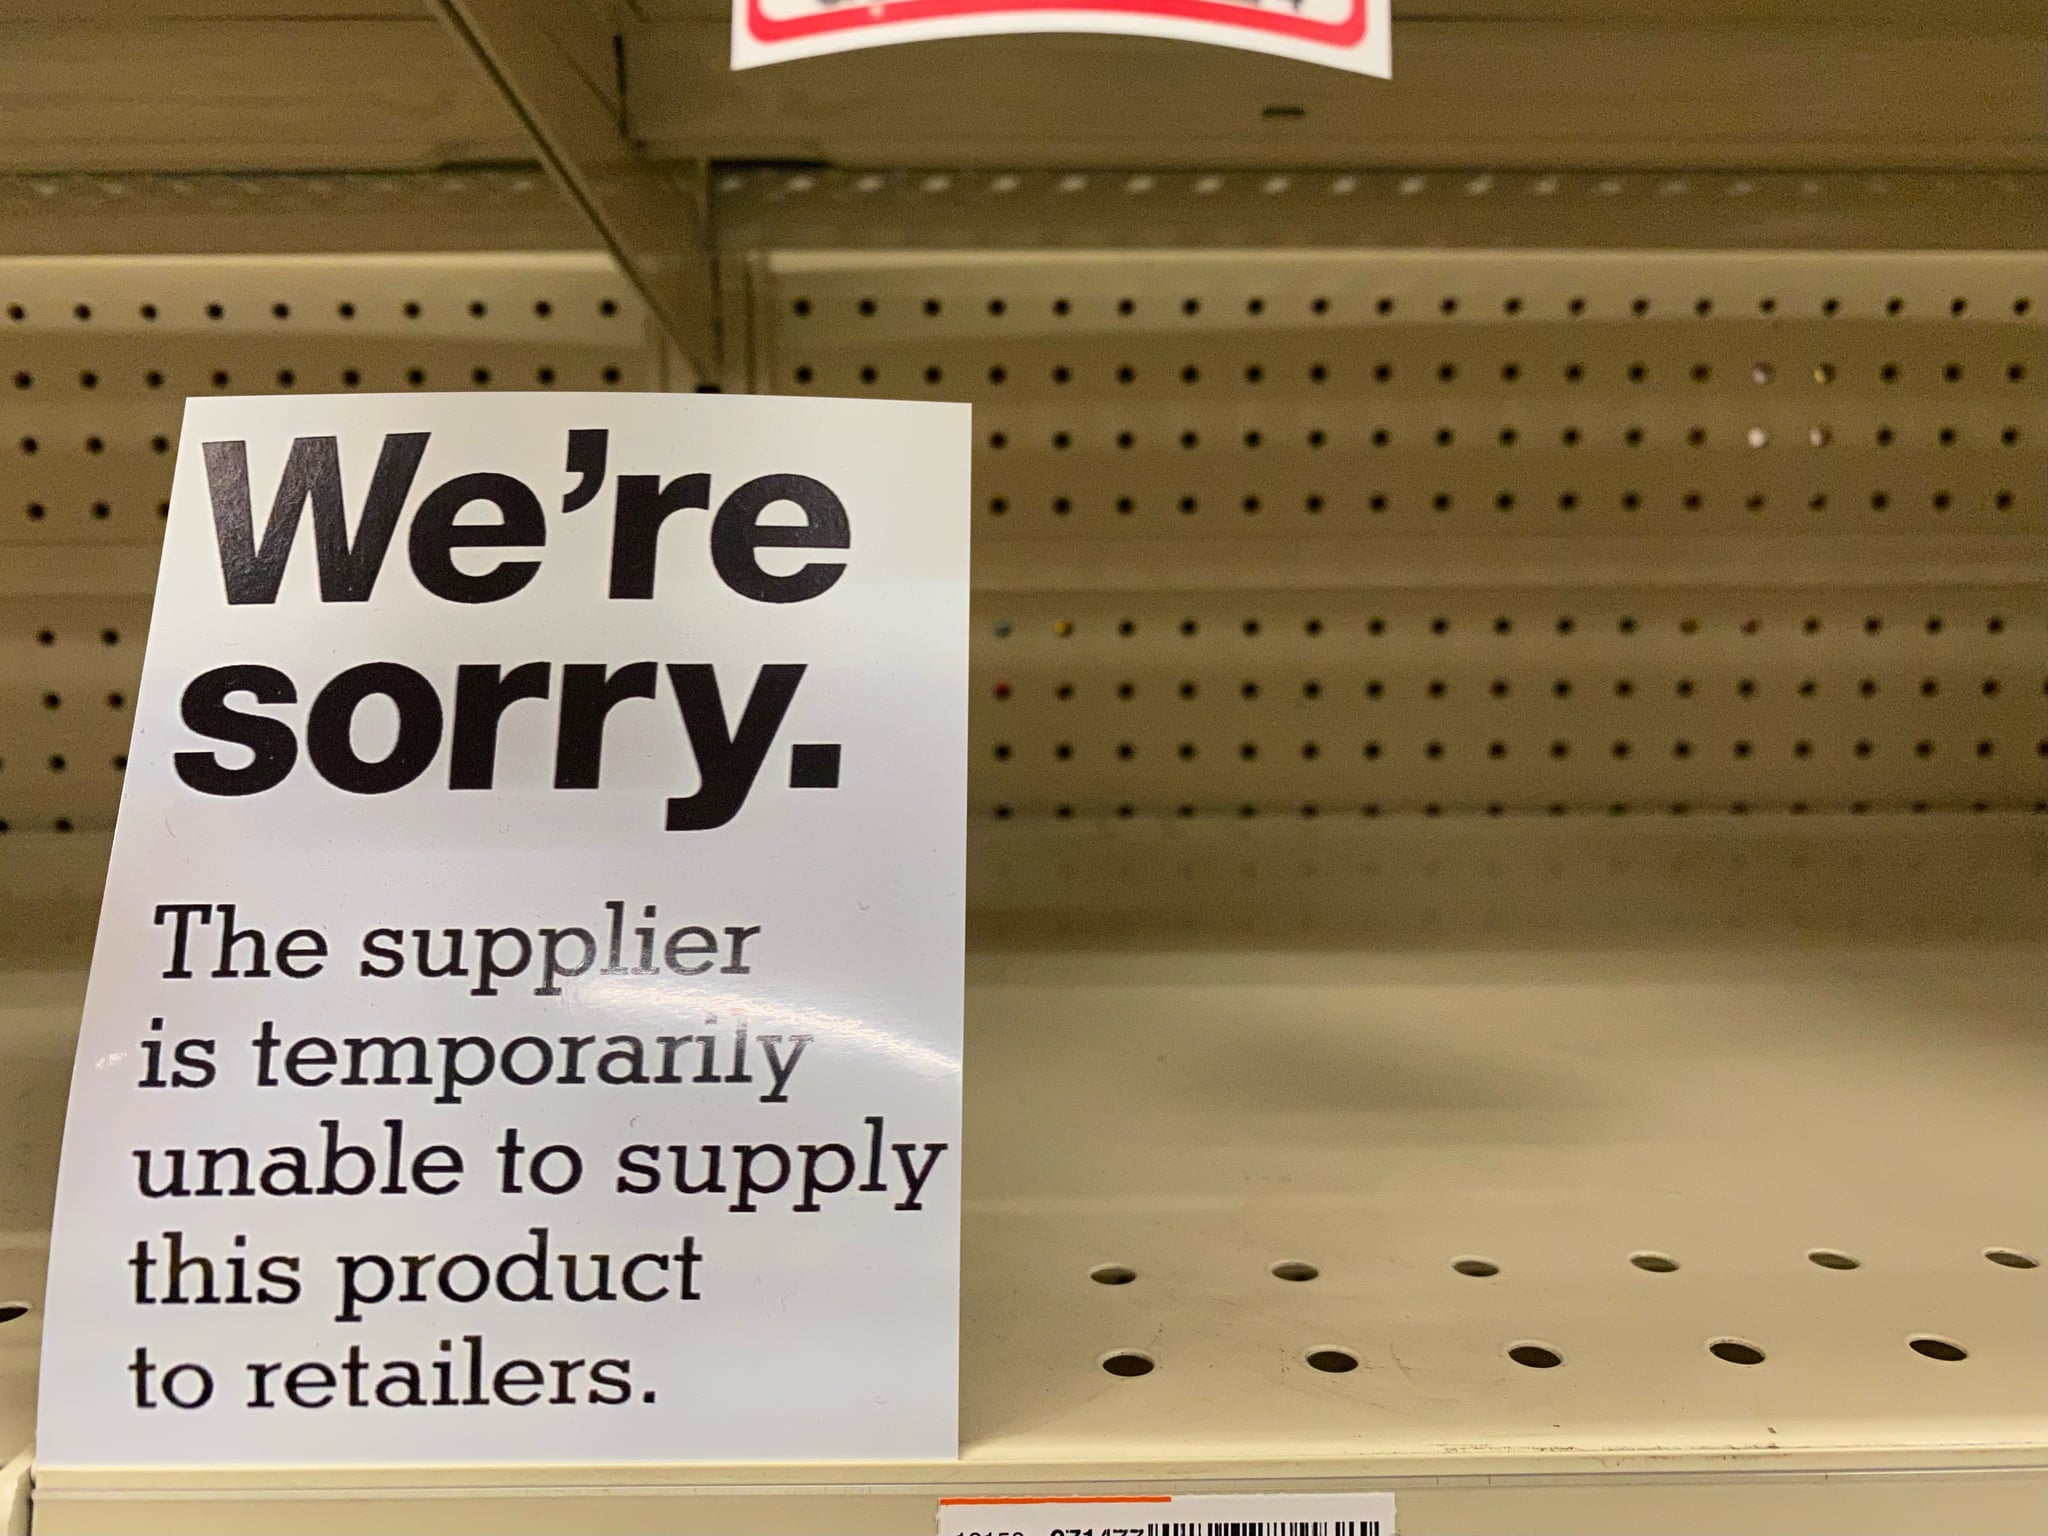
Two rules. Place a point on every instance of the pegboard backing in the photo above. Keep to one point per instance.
(1546, 701)
(1458, 533)
(96, 359)
(1311, 534)
(1510, 701)
(1128, 399)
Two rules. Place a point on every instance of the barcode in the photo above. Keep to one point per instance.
(1200, 1514)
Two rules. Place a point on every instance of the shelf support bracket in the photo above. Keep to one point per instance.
(562, 70)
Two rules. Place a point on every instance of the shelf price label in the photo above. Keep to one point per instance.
(1177, 1514)
(525, 1020)
(1344, 34)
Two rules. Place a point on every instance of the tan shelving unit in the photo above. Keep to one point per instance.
(1510, 739)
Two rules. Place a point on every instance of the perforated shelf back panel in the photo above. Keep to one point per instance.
(96, 359)
(1512, 701)
(98, 356)
(1766, 533)
(1124, 400)
(1399, 532)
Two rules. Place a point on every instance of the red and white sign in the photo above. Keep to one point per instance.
(1345, 34)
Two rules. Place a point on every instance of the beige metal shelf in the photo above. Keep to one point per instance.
(1778, 1004)
(1528, 1100)
(338, 84)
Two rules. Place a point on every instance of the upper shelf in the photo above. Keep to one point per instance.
(307, 85)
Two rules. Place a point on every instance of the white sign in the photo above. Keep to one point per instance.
(1174, 1514)
(1345, 34)
(525, 1023)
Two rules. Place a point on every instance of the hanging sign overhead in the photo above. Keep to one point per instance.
(525, 1022)
(1345, 34)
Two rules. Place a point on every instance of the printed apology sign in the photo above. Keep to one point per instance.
(1345, 34)
(525, 1023)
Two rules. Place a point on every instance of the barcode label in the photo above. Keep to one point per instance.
(1264, 1528)
(1177, 1514)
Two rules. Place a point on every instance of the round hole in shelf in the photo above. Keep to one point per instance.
(1477, 1268)
(2012, 1258)
(1112, 1274)
(1736, 1352)
(1935, 1348)
(1655, 1263)
(1335, 1361)
(1830, 1258)
(1538, 1357)
(1294, 1269)
(10, 1310)
(1128, 1362)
